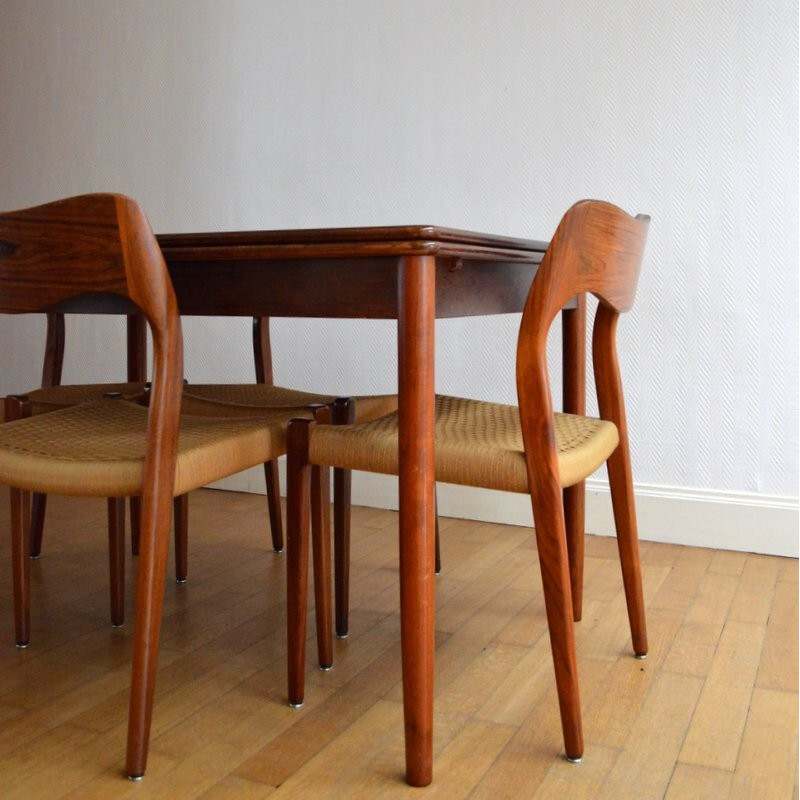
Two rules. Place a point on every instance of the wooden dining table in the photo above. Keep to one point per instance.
(413, 274)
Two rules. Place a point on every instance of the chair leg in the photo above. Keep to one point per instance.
(38, 508)
(343, 412)
(298, 483)
(551, 542)
(149, 608)
(438, 555)
(136, 523)
(621, 483)
(574, 520)
(342, 488)
(273, 481)
(321, 543)
(116, 559)
(180, 516)
(20, 565)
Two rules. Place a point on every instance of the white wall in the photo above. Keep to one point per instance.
(485, 115)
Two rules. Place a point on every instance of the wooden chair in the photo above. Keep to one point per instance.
(263, 394)
(597, 248)
(53, 256)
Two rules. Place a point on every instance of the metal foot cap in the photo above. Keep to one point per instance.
(342, 635)
(640, 656)
(180, 580)
(135, 778)
(574, 759)
(325, 667)
(22, 645)
(295, 705)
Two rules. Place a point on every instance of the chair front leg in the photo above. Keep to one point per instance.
(298, 483)
(116, 559)
(149, 607)
(136, 523)
(38, 508)
(548, 513)
(180, 522)
(343, 412)
(273, 482)
(20, 565)
(321, 543)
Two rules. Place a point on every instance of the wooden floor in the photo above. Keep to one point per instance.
(712, 713)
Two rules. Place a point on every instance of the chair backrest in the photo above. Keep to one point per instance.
(102, 243)
(596, 248)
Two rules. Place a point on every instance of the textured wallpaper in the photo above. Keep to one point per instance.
(484, 115)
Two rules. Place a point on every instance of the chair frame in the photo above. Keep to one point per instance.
(103, 243)
(343, 411)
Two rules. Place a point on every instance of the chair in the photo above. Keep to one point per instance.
(263, 394)
(51, 258)
(597, 248)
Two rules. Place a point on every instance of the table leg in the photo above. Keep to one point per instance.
(573, 327)
(416, 318)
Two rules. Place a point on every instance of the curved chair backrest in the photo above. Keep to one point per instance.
(103, 243)
(596, 248)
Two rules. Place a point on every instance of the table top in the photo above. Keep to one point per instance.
(395, 240)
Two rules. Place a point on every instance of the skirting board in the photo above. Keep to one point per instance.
(751, 523)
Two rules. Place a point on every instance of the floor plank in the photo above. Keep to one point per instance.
(712, 711)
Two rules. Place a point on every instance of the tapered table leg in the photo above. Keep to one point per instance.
(416, 317)
(573, 326)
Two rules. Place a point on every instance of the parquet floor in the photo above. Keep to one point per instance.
(712, 713)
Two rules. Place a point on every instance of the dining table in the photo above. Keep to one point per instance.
(413, 274)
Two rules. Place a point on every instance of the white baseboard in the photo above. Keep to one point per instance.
(743, 521)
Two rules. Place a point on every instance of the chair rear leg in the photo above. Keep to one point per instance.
(621, 483)
(272, 479)
(20, 565)
(574, 518)
(551, 542)
(180, 516)
(116, 559)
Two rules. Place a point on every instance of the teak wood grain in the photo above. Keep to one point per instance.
(103, 243)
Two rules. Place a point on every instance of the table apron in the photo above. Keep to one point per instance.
(363, 288)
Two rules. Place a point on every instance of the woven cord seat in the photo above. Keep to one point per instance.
(98, 449)
(52, 398)
(477, 444)
(367, 407)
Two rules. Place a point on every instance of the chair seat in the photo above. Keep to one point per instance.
(368, 407)
(477, 444)
(97, 449)
(50, 398)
